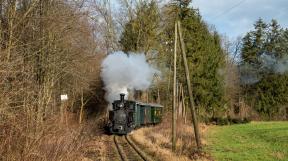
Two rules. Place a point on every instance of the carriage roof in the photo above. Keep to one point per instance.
(149, 104)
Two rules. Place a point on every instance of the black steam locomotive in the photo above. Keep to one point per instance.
(127, 115)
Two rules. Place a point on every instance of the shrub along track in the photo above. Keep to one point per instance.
(128, 150)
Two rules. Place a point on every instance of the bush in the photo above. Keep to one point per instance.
(228, 120)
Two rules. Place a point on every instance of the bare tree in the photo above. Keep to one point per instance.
(103, 12)
(47, 49)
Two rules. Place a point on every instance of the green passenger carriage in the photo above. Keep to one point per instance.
(147, 114)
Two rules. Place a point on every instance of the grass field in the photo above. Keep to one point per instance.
(256, 141)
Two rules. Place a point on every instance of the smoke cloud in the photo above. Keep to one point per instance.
(123, 72)
(268, 63)
(273, 64)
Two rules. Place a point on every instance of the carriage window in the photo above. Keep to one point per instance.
(131, 106)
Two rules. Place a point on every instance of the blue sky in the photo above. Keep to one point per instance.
(235, 17)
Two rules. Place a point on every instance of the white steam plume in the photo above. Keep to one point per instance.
(121, 72)
(268, 63)
(276, 65)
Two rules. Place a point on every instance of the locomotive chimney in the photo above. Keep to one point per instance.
(122, 95)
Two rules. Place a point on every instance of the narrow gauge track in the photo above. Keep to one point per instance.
(128, 150)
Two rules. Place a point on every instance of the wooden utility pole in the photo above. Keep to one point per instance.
(174, 93)
(192, 106)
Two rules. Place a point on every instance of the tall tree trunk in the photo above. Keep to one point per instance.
(158, 96)
(177, 97)
(174, 94)
(12, 12)
(183, 102)
(43, 76)
(147, 96)
(1, 2)
(180, 101)
(287, 113)
(192, 106)
(81, 108)
(185, 111)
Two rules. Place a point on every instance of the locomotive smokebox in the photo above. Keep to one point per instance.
(122, 95)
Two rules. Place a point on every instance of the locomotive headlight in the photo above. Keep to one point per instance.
(121, 104)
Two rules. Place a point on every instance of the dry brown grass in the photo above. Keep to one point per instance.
(157, 141)
(55, 141)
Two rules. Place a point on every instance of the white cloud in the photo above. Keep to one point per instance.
(234, 18)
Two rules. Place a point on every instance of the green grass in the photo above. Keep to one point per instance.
(256, 141)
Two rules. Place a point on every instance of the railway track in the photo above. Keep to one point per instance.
(128, 151)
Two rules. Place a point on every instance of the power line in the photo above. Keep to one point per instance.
(229, 9)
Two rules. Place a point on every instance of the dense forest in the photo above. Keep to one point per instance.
(263, 68)
(50, 48)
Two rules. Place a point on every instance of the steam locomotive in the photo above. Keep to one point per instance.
(127, 115)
